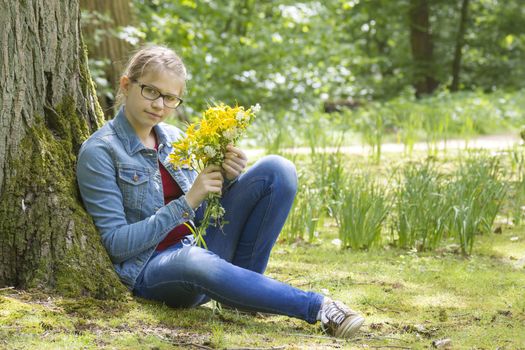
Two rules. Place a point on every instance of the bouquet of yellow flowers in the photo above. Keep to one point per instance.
(205, 144)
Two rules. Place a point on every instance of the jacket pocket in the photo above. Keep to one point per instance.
(133, 182)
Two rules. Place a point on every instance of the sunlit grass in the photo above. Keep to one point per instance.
(409, 299)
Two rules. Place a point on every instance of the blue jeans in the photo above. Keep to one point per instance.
(231, 271)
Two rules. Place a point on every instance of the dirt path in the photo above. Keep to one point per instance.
(489, 142)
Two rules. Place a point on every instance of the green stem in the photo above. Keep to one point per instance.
(213, 211)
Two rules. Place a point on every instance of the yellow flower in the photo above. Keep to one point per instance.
(219, 126)
(205, 144)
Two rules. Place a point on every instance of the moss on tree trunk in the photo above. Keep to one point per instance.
(48, 105)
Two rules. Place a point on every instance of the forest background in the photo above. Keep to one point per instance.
(295, 57)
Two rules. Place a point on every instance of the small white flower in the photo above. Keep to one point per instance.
(256, 108)
(230, 134)
(239, 116)
(210, 151)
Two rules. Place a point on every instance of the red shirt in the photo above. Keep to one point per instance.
(172, 191)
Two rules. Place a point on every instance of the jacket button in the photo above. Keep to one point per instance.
(185, 214)
(135, 178)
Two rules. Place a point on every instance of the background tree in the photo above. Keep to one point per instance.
(106, 26)
(422, 45)
(294, 56)
(494, 49)
(456, 63)
(48, 107)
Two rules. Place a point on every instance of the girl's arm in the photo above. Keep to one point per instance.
(96, 176)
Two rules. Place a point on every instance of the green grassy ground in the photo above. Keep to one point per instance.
(409, 300)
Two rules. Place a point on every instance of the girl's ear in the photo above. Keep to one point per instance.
(124, 84)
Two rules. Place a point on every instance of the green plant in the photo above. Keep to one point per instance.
(315, 132)
(436, 125)
(273, 134)
(408, 122)
(517, 184)
(328, 172)
(373, 122)
(421, 208)
(362, 210)
(334, 176)
(306, 211)
(477, 194)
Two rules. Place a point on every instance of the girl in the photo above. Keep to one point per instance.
(143, 208)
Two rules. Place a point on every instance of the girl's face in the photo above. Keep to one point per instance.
(144, 114)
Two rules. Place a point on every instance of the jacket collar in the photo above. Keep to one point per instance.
(128, 136)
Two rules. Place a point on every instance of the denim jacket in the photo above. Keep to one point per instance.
(121, 187)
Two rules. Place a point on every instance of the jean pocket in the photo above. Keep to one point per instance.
(133, 182)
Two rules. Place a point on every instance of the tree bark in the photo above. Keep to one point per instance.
(108, 46)
(456, 64)
(422, 47)
(48, 107)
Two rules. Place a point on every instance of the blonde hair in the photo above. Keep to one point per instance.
(151, 58)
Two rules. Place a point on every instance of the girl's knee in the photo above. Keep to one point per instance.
(200, 263)
(281, 170)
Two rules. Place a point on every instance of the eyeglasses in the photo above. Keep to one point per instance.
(151, 93)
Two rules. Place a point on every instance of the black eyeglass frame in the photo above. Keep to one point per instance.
(142, 86)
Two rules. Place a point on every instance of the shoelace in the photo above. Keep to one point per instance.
(335, 312)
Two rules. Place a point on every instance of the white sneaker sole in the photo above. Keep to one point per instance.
(350, 327)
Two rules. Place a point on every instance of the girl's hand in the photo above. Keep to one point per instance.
(235, 161)
(208, 181)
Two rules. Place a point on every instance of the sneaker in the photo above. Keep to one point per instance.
(339, 320)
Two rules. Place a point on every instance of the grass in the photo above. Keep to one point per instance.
(409, 300)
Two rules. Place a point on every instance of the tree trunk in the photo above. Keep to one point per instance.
(422, 47)
(106, 45)
(47, 108)
(456, 64)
